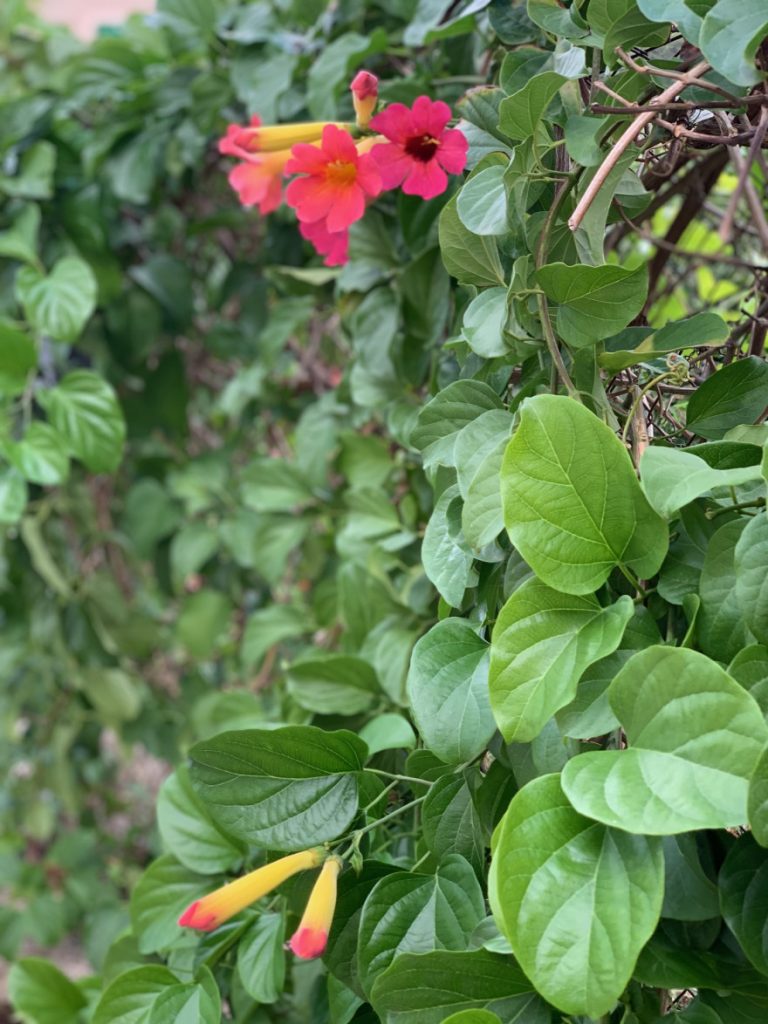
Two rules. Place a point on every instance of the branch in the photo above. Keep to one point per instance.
(640, 122)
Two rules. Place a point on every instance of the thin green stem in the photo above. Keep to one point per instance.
(629, 575)
(421, 860)
(399, 778)
(381, 795)
(736, 507)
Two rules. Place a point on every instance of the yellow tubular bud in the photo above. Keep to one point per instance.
(215, 908)
(310, 938)
(366, 145)
(282, 136)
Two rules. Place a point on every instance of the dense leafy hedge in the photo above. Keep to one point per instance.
(446, 565)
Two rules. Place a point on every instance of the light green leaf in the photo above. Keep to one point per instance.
(60, 303)
(13, 496)
(472, 1017)
(198, 16)
(18, 357)
(482, 203)
(40, 455)
(284, 789)
(83, 408)
(19, 242)
(388, 732)
(484, 321)
(542, 643)
(413, 913)
(445, 554)
(188, 831)
(482, 517)
(672, 478)
(444, 416)
(161, 895)
(476, 440)
(186, 1004)
(333, 684)
(577, 900)
(721, 627)
(269, 626)
(758, 800)
(425, 988)
(677, 11)
(34, 179)
(743, 885)
(736, 394)
(41, 994)
(730, 36)
(572, 504)
(698, 331)
(751, 569)
(448, 691)
(261, 958)
(593, 302)
(520, 113)
(130, 997)
(694, 736)
(470, 258)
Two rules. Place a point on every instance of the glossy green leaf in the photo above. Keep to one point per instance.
(743, 885)
(751, 569)
(572, 504)
(18, 357)
(593, 303)
(186, 1004)
(757, 803)
(689, 893)
(60, 303)
(542, 643)
(577, 900)
(750, 669)
(261, 957)
(160, 896)
(520, 113)
(721, 627)
(482, 516)
(472, 1017)
(84, 410)
(482, 203)
(448, 690)
(476, 440)
(41, 994)
(736, 394)
(13, 496)
(672, 478)
(445, 554)
(426, 988)
(41, 455)
(677, 11)
(412, 913)
(470, 258)
(284, 789)
(730, 36)
(697, 331)
(188, 831)
(484, 321)
(694, 736)
(451, 822)
(130, 997)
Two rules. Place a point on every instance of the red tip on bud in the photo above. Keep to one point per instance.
(364, 85)
(194, 917)
(308, 943)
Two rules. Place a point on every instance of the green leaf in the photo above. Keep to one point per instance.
(20, 241)
(187, 1004)
(161, 895)
(444, 416)
(694, 736)
(284, 789)
(83, 408)
(520, 113)
(721, 628)
(388, 732)
(425, 988)
(411, 913)
(13, 496)
(34, 179)
(40, 456)
(593, 303)
(329, 70)
(448, 690)
(751, 569)
(743, 885)
(115, 694)
(204, 623)
(677, 11)
(735, 394)
(472, 1017)
(130, 997)
(689, 894)
(468, 257)
(274, 485)
(542, 643)
(730, 36)
(482, 517)
(758, 800)
(482, 203)
(261, 957)
(672, 478)
(577, 900)
(451, 822)
(446, 558)
(198, 16)
(18, 357)
(333, 684)
(60, 303)
(572, 504)
(697, 331)
(484, 321)
(188, 831)
(41, 994)
(750, 669)
(270, 626)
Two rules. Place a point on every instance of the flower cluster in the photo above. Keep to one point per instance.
(338, 174)
(310, 938)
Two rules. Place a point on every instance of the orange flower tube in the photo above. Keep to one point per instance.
(218, 906)
(310, 938)
(256, 137)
